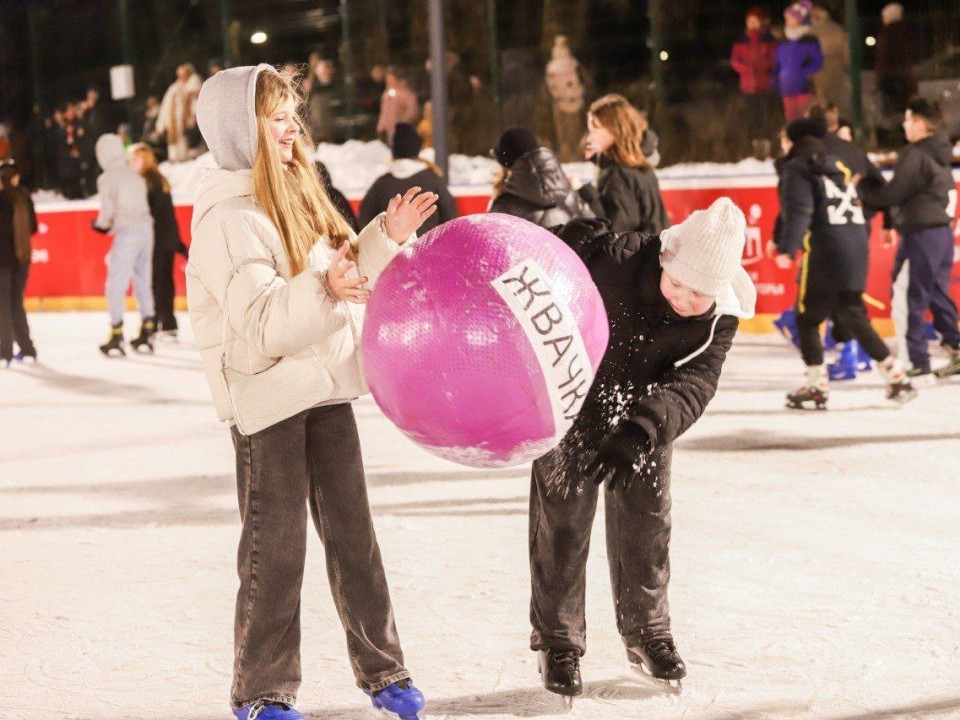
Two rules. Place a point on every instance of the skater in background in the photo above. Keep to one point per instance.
(275, 287)
(534, 186)
(627, 193)
(405, 172)
(397, 105)
(752, 59)
(924, 196)
(797, 59)
(673, 303)
(338, 199)
(18, 224)
(166, 236)
(177, 117)
(820, 215)
(125, 213)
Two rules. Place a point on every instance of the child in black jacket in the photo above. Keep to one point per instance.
(673, 303)
(820, 214)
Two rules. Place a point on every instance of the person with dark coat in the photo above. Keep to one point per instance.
(338, 199)
(97, 121)
(797, 59)
(407, 171)
(534, 187)
(18, 223)
(924, 198)
(898, 50)
(628, 193)
(820, 215)
(166, 237)
(673, 303)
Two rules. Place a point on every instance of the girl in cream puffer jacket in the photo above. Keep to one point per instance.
(277, 316)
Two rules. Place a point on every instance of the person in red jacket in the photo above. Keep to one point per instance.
(752, 59)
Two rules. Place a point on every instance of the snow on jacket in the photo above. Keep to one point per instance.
(660, 370)
(922, 192)
(820, 214)
(628, 197)
(752, 59)
(402, 175)
(794, 64)
(123, 193)
(537, 190)
(238, 266)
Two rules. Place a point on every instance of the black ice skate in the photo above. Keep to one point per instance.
(814, 396)
(899, 387)
(660, 660)
(114, 343)
(951, 368)
(901, 391)
(144, 341)
(560, 673)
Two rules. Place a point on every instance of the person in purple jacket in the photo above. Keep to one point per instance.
(798, 57)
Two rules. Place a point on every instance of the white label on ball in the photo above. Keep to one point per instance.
(554, 336)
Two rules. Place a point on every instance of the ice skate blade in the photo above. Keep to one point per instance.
(794, 405)
(673, 686)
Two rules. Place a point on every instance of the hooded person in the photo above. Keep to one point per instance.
(534, 186)
(125, 213)
(674, 302)
(407, 171)
(797, 59)
(276, 284)
(820, 215)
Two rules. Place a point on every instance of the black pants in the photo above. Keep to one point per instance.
(163, 291)
(310, 459)
(13, 318)
(638, 545)
(847, 310)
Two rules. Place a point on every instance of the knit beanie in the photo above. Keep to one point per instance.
(514, 144)
(704, 251)
(807, 127)
(406, 142)
(800, 10)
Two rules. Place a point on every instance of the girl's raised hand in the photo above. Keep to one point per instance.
(341, 286)
(406, 214)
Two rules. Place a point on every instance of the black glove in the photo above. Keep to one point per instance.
(581, 234)
(621, 456)
(97, 228)
(184, 250)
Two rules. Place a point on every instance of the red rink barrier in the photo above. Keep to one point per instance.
(68, 269)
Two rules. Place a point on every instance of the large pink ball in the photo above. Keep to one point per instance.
(482, 338)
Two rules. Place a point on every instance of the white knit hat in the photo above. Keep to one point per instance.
(704, 251)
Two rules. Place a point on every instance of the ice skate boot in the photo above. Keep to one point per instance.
(114, 343)
(845, 366)
(399, 700)
(899, 387)
(144, 341)
(787, 325)
(560, 673)
(951, 368)
(267, 710)
(660, 660)
(864, 361)
(815, 392)
(21, 356)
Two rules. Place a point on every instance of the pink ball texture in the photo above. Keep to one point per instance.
(481, 339)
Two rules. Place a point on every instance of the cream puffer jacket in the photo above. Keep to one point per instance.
(238, 265)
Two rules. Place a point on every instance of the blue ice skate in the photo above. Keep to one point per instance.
(787, 325)
(400, 700)
(845, 366)
(864, 363)
(267, 710)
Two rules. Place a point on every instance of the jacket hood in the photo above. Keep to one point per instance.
(110, 152)
(227, 118)
(739, 298)
(938, 147)
(217, 185)
(538, 178)
(406, 167)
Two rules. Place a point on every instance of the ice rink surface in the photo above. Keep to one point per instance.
(816, 556)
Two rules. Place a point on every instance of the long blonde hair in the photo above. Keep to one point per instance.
(149, 168)
(627, 125)
(291, 194)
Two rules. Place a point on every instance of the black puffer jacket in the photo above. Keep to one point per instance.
(390, 184)
(537, 190)
(820, 214)
(921, 187)
(166, 232)
(629, 198)
(660, 369)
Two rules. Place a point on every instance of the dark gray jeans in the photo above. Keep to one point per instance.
(310, 459)
(638, 545)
